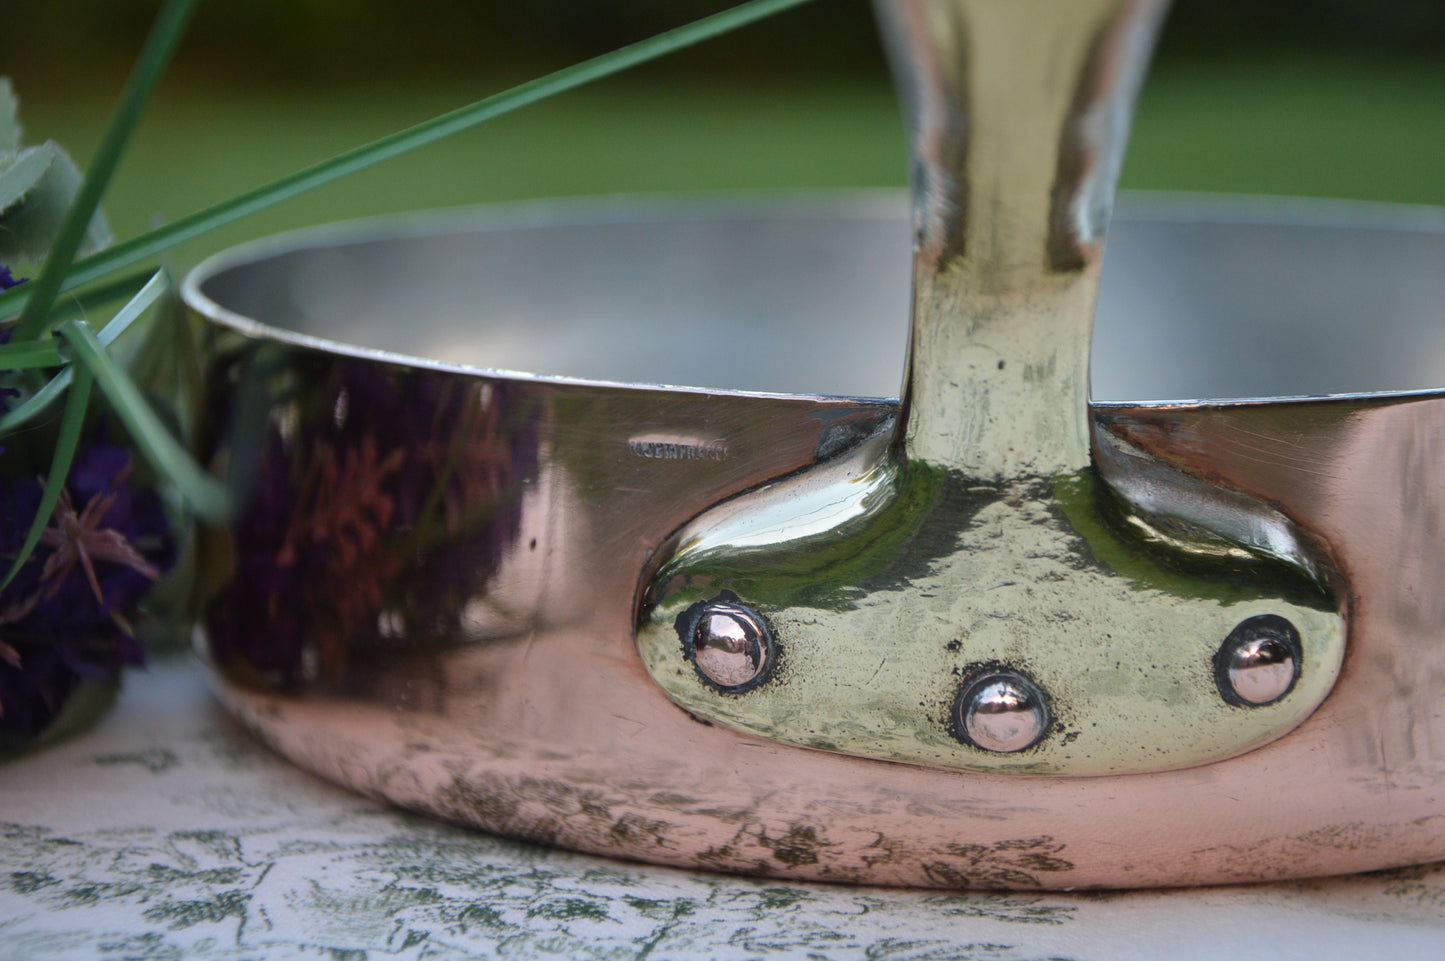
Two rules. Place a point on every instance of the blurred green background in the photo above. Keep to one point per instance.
(1340, 98)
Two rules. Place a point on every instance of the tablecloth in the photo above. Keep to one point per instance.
(166, 832)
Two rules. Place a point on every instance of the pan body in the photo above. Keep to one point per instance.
(430, 591)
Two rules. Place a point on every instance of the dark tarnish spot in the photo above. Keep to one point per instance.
(481, 802)
(1297, 854)
(973, 876)
(842, 431)
(885, 850)
(717, 856)
(595, 805)
(1014, 863)
(799, 846)
(564, 798)
(728, 815)
(550, 811)
(1409, 872)
(633, 829)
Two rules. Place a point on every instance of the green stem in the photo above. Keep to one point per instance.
(187, 228)
(36, 404)
(156, 54)
(207, 496)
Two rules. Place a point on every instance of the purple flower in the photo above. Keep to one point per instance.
(8, 280)
(64, 616)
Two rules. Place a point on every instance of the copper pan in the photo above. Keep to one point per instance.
(1004, 632)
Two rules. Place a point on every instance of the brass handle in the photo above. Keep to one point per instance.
(1019, 111)
(964, 591)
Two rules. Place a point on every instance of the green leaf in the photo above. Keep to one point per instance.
(37, 403)
(36, 194)
(164, 35)
(89, 301)
(146, 245)
(30, 353)
(20, 172)
(159, 283)
(66, 445)
(167, 359)
(9, 118)
(207, 496)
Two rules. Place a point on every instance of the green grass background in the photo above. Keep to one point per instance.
(1295, 124)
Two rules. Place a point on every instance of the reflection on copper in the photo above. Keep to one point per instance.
(375, 520)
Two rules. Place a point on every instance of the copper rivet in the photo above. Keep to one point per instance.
(1261, 670)
(1259, 661)
(730, 645)
(1003, 712)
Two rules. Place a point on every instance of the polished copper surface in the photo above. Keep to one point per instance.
(515, 699)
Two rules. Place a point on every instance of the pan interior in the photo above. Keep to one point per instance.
(813, 298)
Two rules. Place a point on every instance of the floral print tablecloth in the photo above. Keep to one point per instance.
(166, 832)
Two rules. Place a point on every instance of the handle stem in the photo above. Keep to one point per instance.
(1019, 113)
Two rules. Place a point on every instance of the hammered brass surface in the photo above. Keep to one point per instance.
(979, 535)
(1019, 115)
(885, 616)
